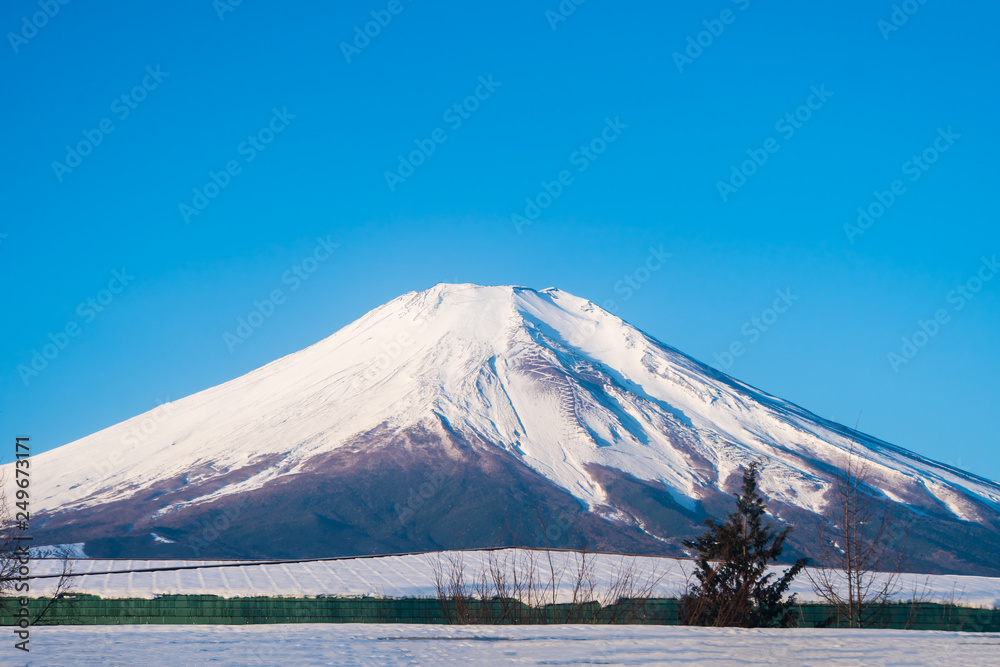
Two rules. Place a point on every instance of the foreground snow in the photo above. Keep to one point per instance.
(414, 576)
(323, 644)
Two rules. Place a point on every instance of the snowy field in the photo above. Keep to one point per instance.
(414, 576)
(370, 644)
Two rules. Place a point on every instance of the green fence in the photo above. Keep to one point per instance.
(211, 609)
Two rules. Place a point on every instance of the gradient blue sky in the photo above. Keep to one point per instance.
(655, 185)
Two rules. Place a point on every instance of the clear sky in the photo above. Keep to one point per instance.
(200, 149)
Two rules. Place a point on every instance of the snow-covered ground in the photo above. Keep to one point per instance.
(370, 644)
(414, 576)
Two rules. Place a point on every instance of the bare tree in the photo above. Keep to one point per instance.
(15, 561)
(548, 552)
(859, 567)
(62, 591)
(514, 589)
(453, 593)
(11, 533)
(629, 590)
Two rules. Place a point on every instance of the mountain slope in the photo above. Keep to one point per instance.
(469, 416)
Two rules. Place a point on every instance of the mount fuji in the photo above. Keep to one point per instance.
(465, 416)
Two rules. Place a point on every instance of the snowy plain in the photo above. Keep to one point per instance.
(414, 576)
(377, 644)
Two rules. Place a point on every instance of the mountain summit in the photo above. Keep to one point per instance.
(470, 416)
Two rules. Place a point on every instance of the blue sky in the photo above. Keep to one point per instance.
(746, 135)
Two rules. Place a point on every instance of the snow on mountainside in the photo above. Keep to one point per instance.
(543, 385)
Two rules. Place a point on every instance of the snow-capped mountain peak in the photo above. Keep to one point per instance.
(541, 386)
